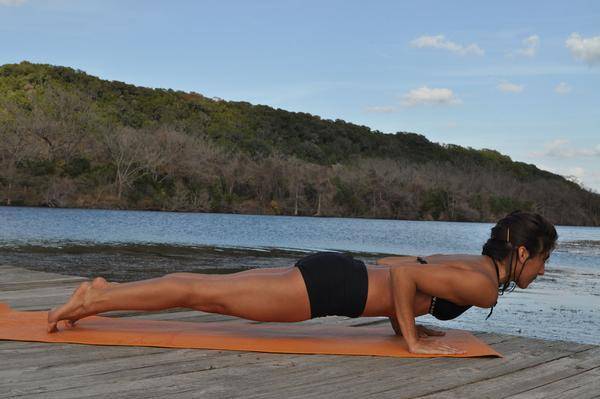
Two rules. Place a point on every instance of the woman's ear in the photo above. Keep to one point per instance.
(523, 254)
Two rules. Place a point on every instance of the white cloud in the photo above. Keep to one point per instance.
(577, 171)
(11, 2)
(379, 110)
(425, 95)
(516, 70)
(588, 179)
(508, 87)
(574, 174)
(585, 49)
(559, 148)
(562, 88)
(440, 42)
(530, 46)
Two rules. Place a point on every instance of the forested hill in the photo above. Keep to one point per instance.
(73, 140)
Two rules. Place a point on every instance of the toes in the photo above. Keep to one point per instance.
(69, 311)
(51, 328)
(53, 319)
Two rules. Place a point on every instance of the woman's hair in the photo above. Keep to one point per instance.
(516, 229)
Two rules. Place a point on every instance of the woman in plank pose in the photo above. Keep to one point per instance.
(330, 283)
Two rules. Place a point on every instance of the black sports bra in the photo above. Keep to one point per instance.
(442, 309)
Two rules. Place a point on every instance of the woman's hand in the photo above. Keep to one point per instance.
(430, 347)
(422, 331)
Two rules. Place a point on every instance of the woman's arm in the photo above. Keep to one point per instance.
(404, 291)
(454, 284)
(395, 325)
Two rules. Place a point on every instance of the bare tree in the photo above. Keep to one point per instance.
(59, 118)
(16, 145)
(165, 150)
(130, 151)
(325, 191)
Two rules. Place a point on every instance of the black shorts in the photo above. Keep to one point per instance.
(337, 284)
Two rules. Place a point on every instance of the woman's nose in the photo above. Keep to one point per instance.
(542, 270)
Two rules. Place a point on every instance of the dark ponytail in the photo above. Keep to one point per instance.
(516, 229)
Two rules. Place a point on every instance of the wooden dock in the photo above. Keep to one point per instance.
(531, 368)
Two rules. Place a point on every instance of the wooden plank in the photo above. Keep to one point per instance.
(25, 351)
(35, 301)
(351, 378)
(284, 379)
(25, 289)
(43, 352)
(175, 384)
(156, 380)
(5, 345)
(58, 282)
(520, 380)
(82, 376)
(317, 368)
(434, 375)
(9, 274)
(580, 386)
(312, 362)
(530, 366)
(64, 290)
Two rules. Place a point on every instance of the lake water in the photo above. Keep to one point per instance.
(130, 245)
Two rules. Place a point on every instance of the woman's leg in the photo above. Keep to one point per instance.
(257, 270)
(266, 295)
(277, 295)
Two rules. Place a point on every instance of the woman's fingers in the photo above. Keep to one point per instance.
(425, 332)
(447, 350)
(450, 350)
(52, 327)
(433, 348)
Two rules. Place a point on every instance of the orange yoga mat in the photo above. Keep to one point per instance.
(240, 335)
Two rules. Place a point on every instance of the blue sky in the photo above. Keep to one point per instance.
(519, 77)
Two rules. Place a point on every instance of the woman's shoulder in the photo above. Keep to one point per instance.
(455, 258)
(475, 263)
(460, 261)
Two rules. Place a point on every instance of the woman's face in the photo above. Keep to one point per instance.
(533, 267)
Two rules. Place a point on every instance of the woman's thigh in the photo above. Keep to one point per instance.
(274, 295)
(255, 271)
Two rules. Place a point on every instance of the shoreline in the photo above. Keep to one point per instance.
(489, 221)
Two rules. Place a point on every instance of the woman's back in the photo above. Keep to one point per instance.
(380, 298)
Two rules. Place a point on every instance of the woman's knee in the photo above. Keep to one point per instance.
(182, 285)
(198, 292)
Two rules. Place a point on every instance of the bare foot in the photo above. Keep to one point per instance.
(100, 282)
(77, 307)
